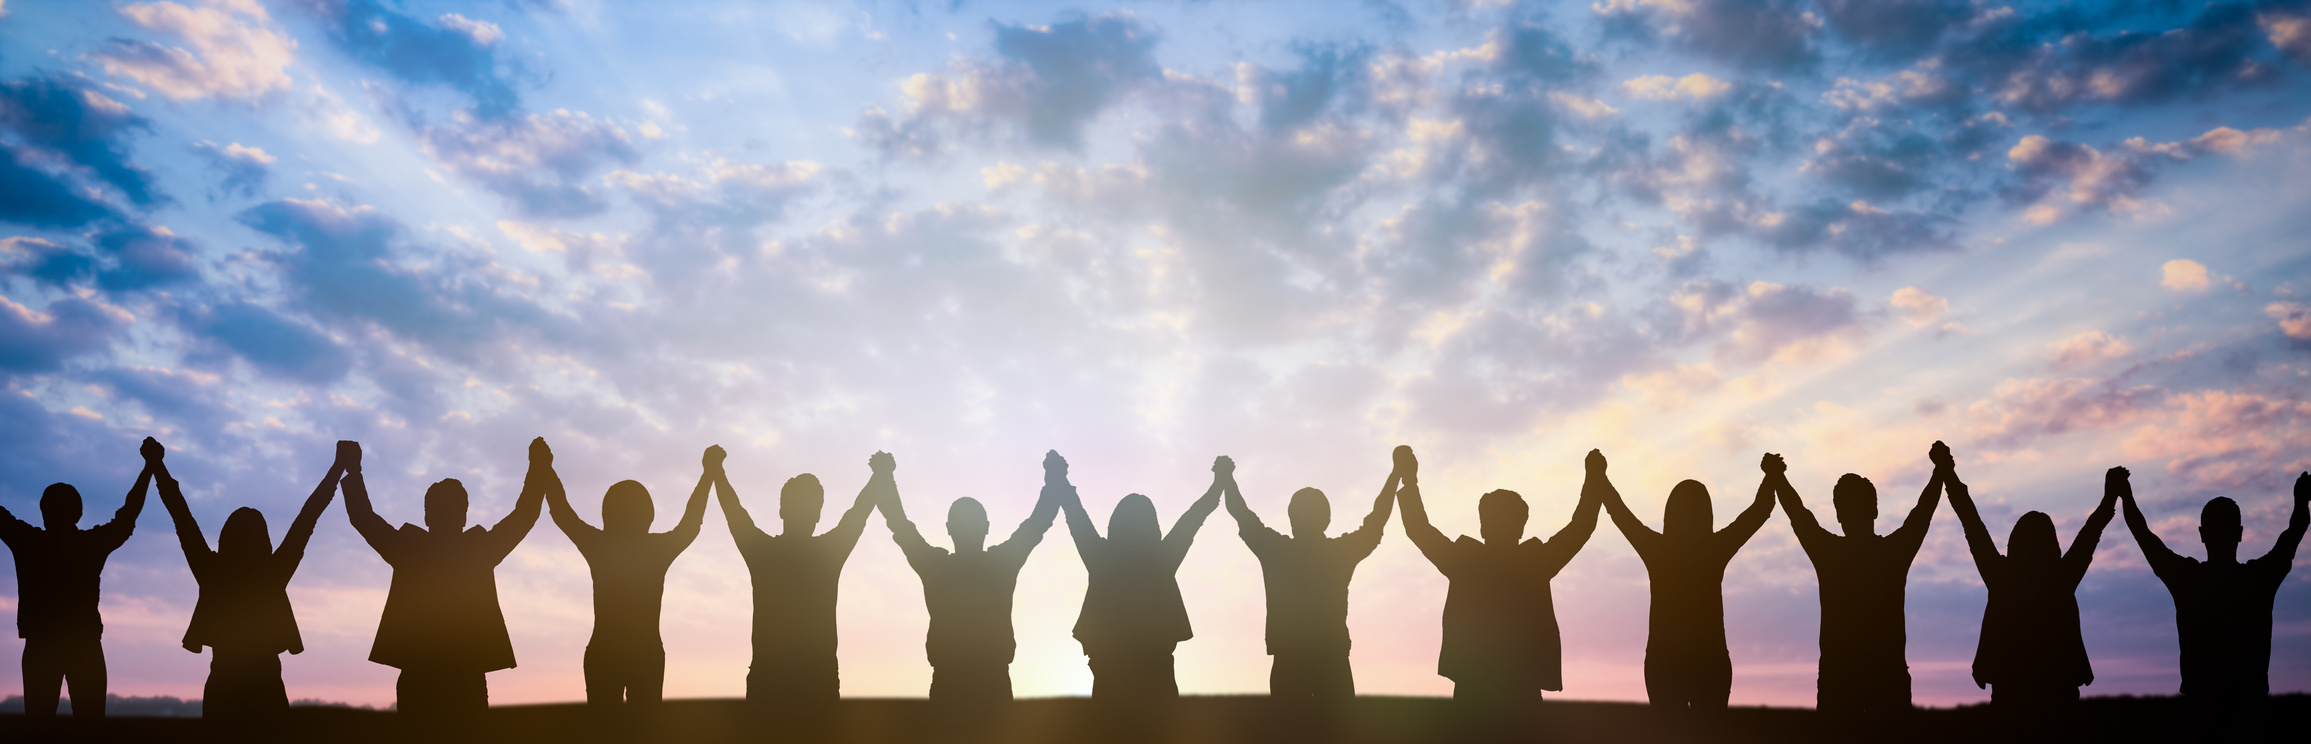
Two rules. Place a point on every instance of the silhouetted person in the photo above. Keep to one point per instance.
(1686, 662)
(2031, 655)
(796, 574)
(968, 591)
(442, 626)
(626, 657)
(2223, 606)
(1132, 614)
(243, 614)
(57, 569)
(1500, 645)
(1864, 668)
(1307, 575)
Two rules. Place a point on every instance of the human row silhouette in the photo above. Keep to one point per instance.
(444, 629)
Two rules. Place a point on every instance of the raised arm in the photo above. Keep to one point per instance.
(123, 522)
(1425, 536)
(1224, 480)
(1978, 540)
(363, 516)
(1641, 538)
(854, 521)
(1801, 520)
(1745, 525)
(1561, 547)
(172, 497)
(1183, 534)
(1912, 533)
(508, 532)
(2081, 551)
(1079, 525)
(2154, 551)
(293, 542)
(694, 511)
(583, 535)
(903, 531)
(2283, 552)
(741, 524)
(1367, 536)
(1030, 532)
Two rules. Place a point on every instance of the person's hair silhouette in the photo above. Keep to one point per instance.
(968, 591)
(1686, 661)
(626, 658)
(1132, 614)
(58, 566)
(796, 574)
(442, 626)
(1863, 577)
(1500, 647)
(2032, 654)
(243, 614)
(2222, 605)
(1306, 575)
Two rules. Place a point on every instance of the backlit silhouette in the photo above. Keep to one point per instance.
(58, 565)
(796, 574)
(2223, 606)
(243, 614)
(1132, 615)
(1306, 575)
(1863, 577)
(442, 626)
(1686, 662)
(968, 591)
(1500, 646)
(2031, 654)
(626, 658)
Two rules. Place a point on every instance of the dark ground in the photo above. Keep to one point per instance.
(1214, 720)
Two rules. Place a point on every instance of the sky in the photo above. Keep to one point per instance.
(2060, 237)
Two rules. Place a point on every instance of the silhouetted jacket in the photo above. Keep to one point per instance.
(969, 594)
(442, 609)
(2223, 611)
(1687, 573)
(58, 570)
(1133, 595)
(244, 600)
(1864, 579)
(1307, 582)
(2030, 628)
(1500, 619)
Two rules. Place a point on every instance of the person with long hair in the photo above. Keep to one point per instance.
(1133, 616)
(2032, 655)
(1686, 661)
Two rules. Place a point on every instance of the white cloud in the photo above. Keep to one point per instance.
(483, 33)
(2092, 347)
(1922, 307)
(1696, 86)
(2183, 275)
(235, 53)
(2294, 319)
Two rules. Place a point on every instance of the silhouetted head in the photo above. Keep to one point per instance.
(60, 506)
(799, 503)
(1500, 517)
(967, 523)
(2219, 526)
(445, 504)
(244, 535)
(1310, 513)
(1856, 502)
(627, 508)
(1134, 523)
(2033, 542)
(1688, 511)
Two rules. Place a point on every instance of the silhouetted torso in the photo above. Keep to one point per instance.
(795, 581)
(1863, 582)
(442, 609)
(629, 571)
(969, 594)
(57, 576)
(1307, 581)
(2223, 622)
(1132, 598)
(1500, 620)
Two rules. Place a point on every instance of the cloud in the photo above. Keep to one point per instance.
(1764, 320)
(2019, 412)
(1665, 88)
(2289, 29)
(2089, 348)
(2183, 275)
(2227, 441)
(541, 162)
(2066, 177)
(2294, 320)
(35, 341)
(234, 52)
(1047, 82)
(2216, 51)
(241, 169)
(275, 344)
(1773, 35)
(1894, 28)
(454, 51)
(1921, 307)
(64, 154)
(143, 257)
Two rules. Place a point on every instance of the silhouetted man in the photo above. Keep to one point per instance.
(57, 570)
(442, 626)
(968, 591)
(243, 614)
(2223, 606)
(1501, 647)
(1863, 575)
(626, 658)
(1132, 614)
(1307, 577)
(1686, 661)
(796, 574)
(2032, 654)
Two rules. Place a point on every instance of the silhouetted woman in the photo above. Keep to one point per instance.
(1132, 614)
(626, 657)
(1686, 663)
(2031, 655)
(243, 614)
